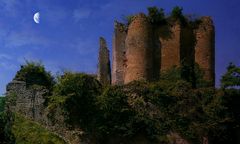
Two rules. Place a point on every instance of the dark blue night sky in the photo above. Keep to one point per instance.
(68, 34)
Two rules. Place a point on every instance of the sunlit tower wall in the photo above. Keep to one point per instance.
(139, 48)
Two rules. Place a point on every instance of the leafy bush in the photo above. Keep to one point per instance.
(156, 16)
(115, 112)
(6, 135)
(34, 73)
(2, 103)
(177, 12)
(232, 77)
(156, 109)
(76, 93)
(192, 74)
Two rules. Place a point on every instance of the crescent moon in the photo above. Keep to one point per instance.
(36, 17)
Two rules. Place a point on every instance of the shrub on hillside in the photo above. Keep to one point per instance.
(76, 93)
(34, 73)
(232, 77)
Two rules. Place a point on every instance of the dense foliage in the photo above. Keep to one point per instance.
(2, 103)
(232, 77)
(177, 12)
(192, 74)
(151, 110)
(156, 16)
(77, 94)
(34, 73)
(159, 108)
(6, 135)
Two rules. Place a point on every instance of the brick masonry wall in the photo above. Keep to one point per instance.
(205, 48)
(142, 50)
(104, 70)
(139, 50)
(118, 53)
(28, 101)
(170, 45)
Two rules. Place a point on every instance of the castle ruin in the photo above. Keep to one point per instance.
(142, 50)
(104, 69)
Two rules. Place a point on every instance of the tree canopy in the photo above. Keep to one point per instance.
(232, 77)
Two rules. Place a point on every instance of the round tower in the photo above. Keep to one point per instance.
(139, 50)
(205, 48)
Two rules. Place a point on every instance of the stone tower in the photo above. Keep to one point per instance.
(142, 50)
(170, 45)
(205, 48)
(139, 50)
(104, 70)
(118, 53)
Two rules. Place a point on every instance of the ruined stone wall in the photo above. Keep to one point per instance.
(139, 50)
(118, 53)
(27, 101)
(30, 103)
(170, 45)
(104, 70)
(205, 48)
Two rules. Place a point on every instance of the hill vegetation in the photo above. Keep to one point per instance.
(154, 110)
(178, 103)
(26, 131)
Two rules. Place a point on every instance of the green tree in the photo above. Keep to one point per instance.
(232, 77)
(156, 16)
(177, 12)
(77, 92)
(34, 73)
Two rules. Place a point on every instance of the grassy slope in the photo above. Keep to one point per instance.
(29, 132)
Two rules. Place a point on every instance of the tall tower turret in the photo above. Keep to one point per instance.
(205, 48)
(119, 53)
(139, 50)
(104, 70)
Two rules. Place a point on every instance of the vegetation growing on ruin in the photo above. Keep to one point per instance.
(176, 13)
(2, 103)
(76, 94)
(192, 74)
(156, 15)
(34, 73)
(232, 77)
